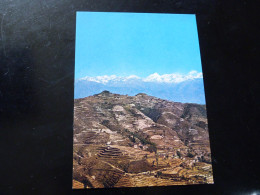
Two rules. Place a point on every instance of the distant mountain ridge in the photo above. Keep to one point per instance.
(155, 77)
(175, 87)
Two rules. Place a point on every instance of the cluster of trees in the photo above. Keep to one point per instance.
(134, 137)
(153, 113)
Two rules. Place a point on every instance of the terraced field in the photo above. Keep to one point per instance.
(124, 141)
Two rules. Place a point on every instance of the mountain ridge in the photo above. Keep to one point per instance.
(190, 91)
(155, 77)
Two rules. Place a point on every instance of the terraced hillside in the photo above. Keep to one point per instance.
(135, 141)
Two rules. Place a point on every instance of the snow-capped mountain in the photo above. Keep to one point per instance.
(155, 77)
(175, 87)
(106, 79)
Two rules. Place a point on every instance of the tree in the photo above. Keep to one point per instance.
(179, 154)
(190, 154)
(156, 157)
(158, 174)
(152, 148)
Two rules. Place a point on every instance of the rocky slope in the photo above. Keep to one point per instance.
(131, 141)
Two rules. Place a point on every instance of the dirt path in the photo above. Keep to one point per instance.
(113, 166)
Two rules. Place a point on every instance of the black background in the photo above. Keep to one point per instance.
(36, 92)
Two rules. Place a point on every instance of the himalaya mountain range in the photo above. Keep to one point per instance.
(185, 88)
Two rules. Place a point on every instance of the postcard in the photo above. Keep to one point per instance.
(140, 114)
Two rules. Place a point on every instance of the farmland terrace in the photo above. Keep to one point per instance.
(137, 141)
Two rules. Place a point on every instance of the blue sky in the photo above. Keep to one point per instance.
(139, 44)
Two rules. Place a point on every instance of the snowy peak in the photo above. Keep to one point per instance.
(173, 78)
(105, 79)
(155, 77)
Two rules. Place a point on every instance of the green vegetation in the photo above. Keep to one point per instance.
(154, 114)
(133, 112)
(191, 154)
(194, 109)
(133, 137)
(105, 122)
(179, 154)
(152, 148)
(158, 174)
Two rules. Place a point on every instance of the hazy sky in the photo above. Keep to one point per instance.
(139, 44)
